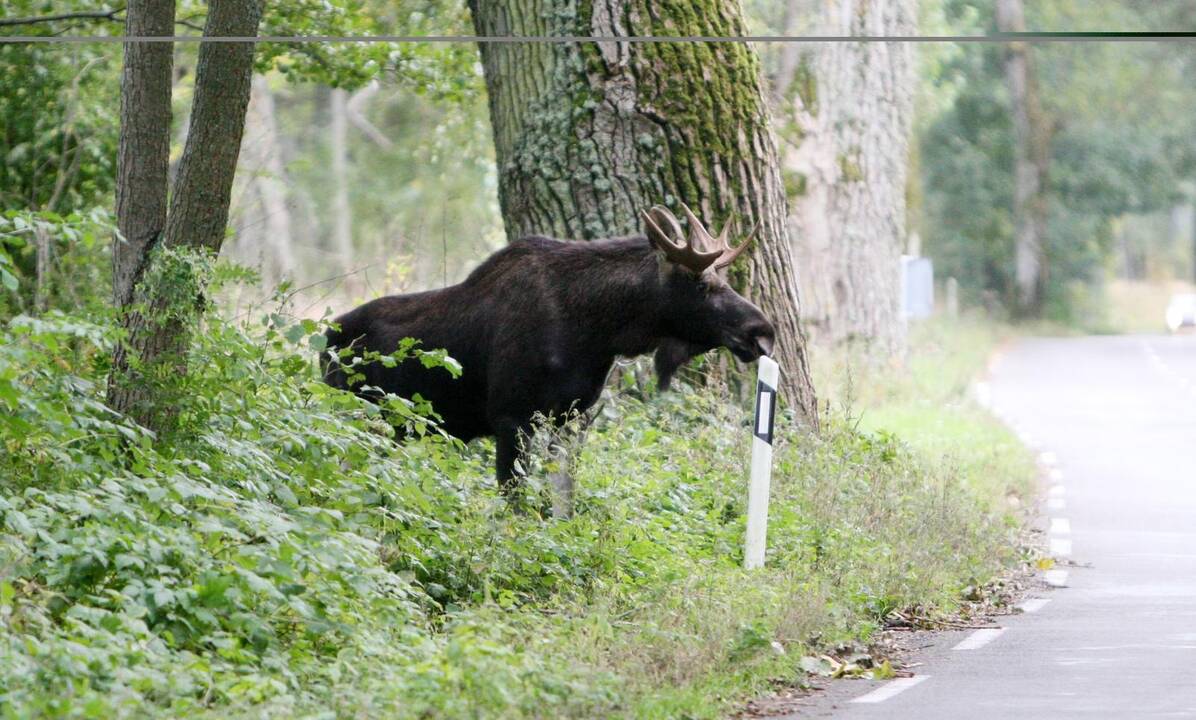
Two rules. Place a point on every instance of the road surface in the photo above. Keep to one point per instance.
(1114, 419)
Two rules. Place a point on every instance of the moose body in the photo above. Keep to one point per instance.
(538, 325)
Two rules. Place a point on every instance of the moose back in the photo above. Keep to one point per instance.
(537, 326)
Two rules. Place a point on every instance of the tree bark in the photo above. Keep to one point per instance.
(848, 159)
(587, 134)
(1031, 156)
(143, 157)
(157, 328)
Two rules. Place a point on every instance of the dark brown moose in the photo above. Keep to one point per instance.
(538, 325)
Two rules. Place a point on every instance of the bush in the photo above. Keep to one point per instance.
(279, 555)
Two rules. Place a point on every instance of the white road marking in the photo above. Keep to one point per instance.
(1048, 458)
(1033, 604)
(984, 394)
(979, 639)
(1056, 475)
(1057, 491)
(1055, 578)
(890, 689)
(1060, 526)
(1056, 503)
(1060, 547)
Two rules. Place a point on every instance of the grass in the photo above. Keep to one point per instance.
(928, 403)
(280, 556)
(1140, 306)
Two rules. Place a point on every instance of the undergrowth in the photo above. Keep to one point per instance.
(278, 555)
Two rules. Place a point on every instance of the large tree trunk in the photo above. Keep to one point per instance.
(848, 158)
(587, 134)
(152, 355)
(1031, 156)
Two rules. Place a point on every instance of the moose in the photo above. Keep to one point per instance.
(538, 325)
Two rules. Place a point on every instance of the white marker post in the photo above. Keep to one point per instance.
(757, 512)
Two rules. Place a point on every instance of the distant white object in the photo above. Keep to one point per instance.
(917, 287)
(767, 380)
(1181, 311)
(952, 297)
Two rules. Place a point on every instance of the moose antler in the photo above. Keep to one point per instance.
(699, 234)
(681, 253)
(690, 252)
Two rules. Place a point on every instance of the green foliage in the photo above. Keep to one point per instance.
(280, 555)
(78, 274)
(58, 126)
(1121, 142)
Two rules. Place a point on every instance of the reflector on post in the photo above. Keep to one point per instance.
(762, 426)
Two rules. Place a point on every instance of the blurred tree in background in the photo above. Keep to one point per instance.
(844, 113)
(1120, 120)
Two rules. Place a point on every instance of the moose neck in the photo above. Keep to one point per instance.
(615, 299)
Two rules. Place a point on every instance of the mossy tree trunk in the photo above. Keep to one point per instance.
(846, 156)
(587, 134)
(158, 298)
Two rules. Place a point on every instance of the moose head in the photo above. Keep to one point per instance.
(704, 311)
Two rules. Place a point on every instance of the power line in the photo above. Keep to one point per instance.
(1032, 37)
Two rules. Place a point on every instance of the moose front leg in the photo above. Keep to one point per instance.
(510, 443)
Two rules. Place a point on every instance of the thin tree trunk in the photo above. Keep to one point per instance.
(41, 288)
(851, 126)
(342, 214)
(1031, 153)
(587, 134)
(197, 218)
(143, 156)
(262, 153)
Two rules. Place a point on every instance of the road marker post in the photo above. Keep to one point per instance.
(767, 380)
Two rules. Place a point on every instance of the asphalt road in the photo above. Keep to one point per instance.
(1114, 419)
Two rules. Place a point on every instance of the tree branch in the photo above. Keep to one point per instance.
(84, 15)
(102, 15)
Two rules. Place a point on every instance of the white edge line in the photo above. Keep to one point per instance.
(1056, 503)
(1056, 578)
(1060, 547)
(890, 689)
(979, 639)
(1060, 526)
(1033, 604)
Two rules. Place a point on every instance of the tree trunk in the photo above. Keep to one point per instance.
(152, 356)
(269, 227)
(342, 217)
(848, 160)
(587, 134)
(1031, 154)
(143, 157)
